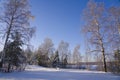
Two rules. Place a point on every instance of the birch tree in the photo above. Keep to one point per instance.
(63, 49)
(47, 47)
(95, 28)
(15, 18)
(76, 55)
(45, 51)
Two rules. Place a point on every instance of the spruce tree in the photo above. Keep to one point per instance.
(14, 54)
(56, 60)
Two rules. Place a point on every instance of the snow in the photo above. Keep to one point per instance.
(34, 72)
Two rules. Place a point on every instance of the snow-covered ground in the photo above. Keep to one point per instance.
(40, 73)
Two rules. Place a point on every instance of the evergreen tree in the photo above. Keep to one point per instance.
(14, 54)
(56, 60)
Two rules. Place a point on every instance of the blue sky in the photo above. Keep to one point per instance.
(60, 20)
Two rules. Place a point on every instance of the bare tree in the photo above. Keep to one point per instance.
(15, 18)
(45, 52)
(76, 55)
(96, 28)
(115, 14)
(63, 50)
(114, 19)
(47, 47)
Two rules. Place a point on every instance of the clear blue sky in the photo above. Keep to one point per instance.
(60, 20)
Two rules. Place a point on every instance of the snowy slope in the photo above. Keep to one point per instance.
(40, 73)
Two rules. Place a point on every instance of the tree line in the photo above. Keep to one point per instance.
(46, 55)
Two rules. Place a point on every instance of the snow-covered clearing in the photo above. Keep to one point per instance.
(40, 73)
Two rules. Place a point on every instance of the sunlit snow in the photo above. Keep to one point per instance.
(34, 72)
